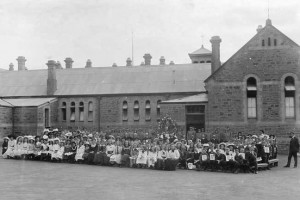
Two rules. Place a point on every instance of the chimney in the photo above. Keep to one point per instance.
(259, 28)
(21, 63)
(114, 65)
(11, 67)
(69, 63)
(88, 64)
(128, 62)
(162, 61)
(215, 46)
(147, 58)
(268, 22)
(58, 65)
(172, 63)
(51, 81)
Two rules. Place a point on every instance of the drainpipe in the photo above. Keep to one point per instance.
(99, 100)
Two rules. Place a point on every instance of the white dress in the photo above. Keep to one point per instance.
(117, 154)
(54, 153)
(142, 157)
(18, 149)
(151, 158)
(79, 153)
(10, 149)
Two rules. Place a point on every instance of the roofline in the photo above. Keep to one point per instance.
(104, 95)
(209, 77)
(193, 102)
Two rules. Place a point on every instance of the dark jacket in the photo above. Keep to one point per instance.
(294, 145)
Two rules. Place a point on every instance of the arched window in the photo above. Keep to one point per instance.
(289, 93)
(251, 98)
(148, 111)
(158, 110)
(269, 41)
(125, 111)
(136, 111)
(275, 42)
(64, 111)
(263, 43)
(72, 112)
(90, 111)
(81, 112)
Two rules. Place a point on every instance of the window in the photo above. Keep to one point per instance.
(275, 42)
(64, 111)
(148, 111)
(72, 112)
(136, 111)
(81, 112)
(289, 92)
(202, 61)
(125, 111)
(195, 109)
(263, 43)
(269, 41)
(158, 110)
(47, 117)
(251, 98)
(208, 61)
(90, 112)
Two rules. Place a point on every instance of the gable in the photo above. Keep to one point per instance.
(269, 47)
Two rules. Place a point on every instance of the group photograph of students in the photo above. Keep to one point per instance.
(163, 151)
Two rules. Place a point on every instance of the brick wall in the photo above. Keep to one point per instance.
(5, 121)
(25, 120)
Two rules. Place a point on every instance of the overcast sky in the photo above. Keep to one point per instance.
(101, 30)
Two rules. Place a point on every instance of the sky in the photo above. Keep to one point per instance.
(102, 30)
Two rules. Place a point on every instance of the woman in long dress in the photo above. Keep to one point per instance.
(125, 161)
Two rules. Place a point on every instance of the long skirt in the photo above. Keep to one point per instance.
(8, 153)
(170, 164)
(125, 161)
(160, 164)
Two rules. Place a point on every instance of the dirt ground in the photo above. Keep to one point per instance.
(43, 180)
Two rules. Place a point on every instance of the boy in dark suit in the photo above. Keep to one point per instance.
(294, 148)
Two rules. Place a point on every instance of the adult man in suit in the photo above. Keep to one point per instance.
(294, 148)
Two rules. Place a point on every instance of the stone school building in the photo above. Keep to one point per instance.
(257, 88)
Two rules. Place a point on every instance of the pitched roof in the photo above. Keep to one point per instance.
(201, 51)
(268, 26)
(107, 80)
(28, 102)
(189, 99)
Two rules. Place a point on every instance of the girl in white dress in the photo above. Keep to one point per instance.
(141, 160)
(10, 148)
(55, 148)
(25, 147)
(79, 152)
(18, 150)
(152, 157)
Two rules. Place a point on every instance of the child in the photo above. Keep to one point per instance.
(44, 149)
(9, 153)
(133, 155)
(38, 148)
(117, 153)
(92, 152)
(50, 149)
(110, 149)
(5, 145)
(18, 150)
(55, 148)
(125, 161)
(31, 147)
(161, 157)
(68, 151)
(172, 159)
(100, 153)
(141, 160)
(152, 157)
(25, 148)
(79, 152)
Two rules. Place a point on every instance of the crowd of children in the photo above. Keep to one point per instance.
(162, 152)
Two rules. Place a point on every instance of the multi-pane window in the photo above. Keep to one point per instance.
(64, 111)
(125, 111)
(81, 112)
(148, 111)
(72, 112)
(251, 98)
(90, 112)
(136, 111)
(289, 93)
